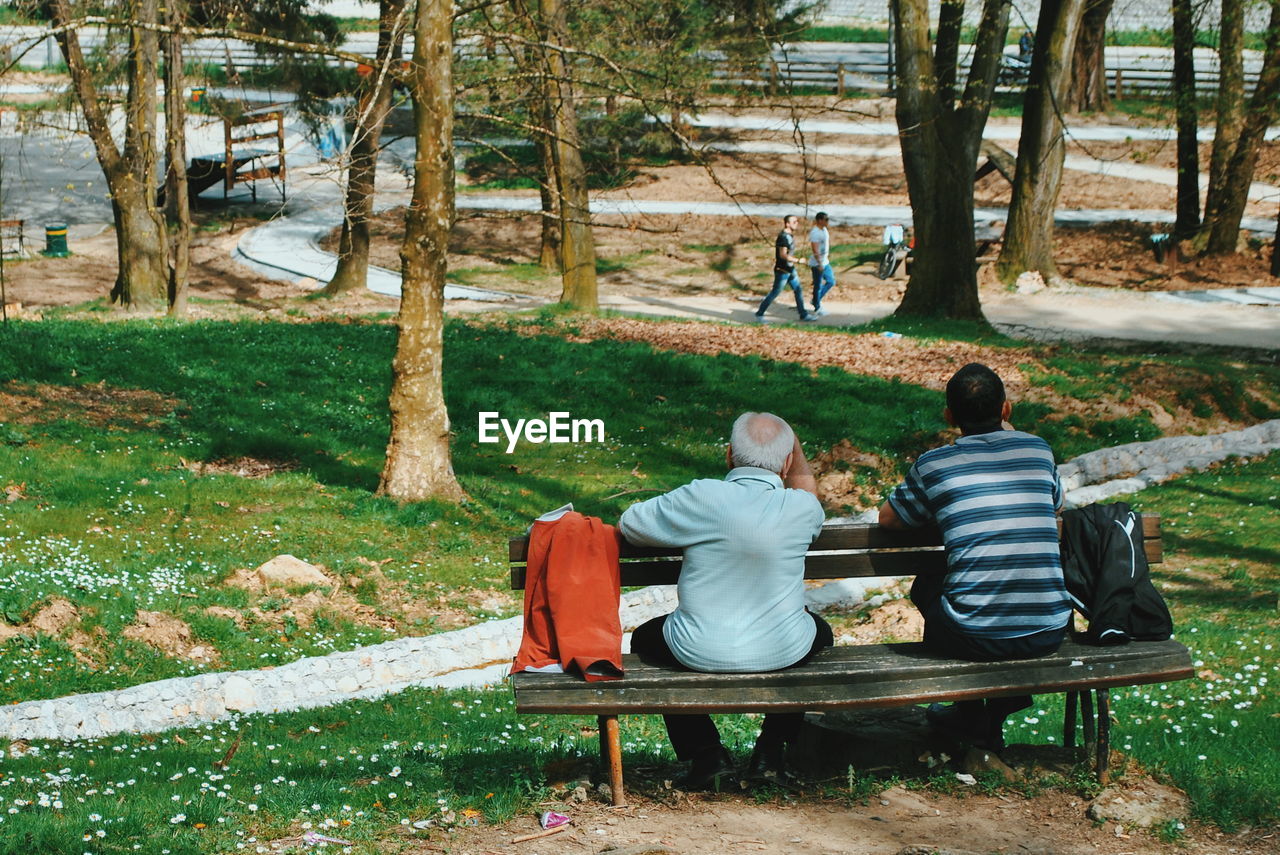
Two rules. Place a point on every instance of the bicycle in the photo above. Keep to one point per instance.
(1014, 70)
(897, 248)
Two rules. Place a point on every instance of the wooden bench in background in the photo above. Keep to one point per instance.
(863, 676)
(12, 241)
(244, 157)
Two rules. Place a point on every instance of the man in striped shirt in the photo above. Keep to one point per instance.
(995, 494)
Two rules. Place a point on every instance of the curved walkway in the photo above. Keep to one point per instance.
(288, 247)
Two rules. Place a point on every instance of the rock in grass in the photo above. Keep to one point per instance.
(1142, 803)
(1030, 282)
(288, 571)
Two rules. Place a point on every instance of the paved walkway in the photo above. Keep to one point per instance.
(996, 129)
(288, 247)
(1235, 296)
(1161, 175)
(1055, 314)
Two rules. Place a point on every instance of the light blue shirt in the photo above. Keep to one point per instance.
(822, 238)
(742, 585)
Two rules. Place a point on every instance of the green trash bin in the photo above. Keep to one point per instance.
(55, 241)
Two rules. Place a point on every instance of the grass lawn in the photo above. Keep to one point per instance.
(368, 771)
(122, 455)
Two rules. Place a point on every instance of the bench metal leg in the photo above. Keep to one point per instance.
(1103, 756)
(1086, 713)
(611, 756)
(1069, 721)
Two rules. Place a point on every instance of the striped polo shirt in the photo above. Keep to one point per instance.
(994, 495)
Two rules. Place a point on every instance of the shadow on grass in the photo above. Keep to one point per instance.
(1223, 549)
(1219, 594)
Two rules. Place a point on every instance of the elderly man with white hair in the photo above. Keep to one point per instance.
(741, 588)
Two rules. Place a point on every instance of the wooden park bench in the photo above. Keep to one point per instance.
(862, 676)
(12, 241)
(253, 151)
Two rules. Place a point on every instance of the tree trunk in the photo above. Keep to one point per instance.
(1275, 251)
(940, 139)
(1088, 90)
(1228, 196)
(549, 248)
(418, 464)
(175, 126)
(352, 272)
(577, 246)
(946, 53)
(532, 63)
(549, 252)
(1028, 237)
(142, 281)
(548, 255)
(1185, 102)
(1230, 102)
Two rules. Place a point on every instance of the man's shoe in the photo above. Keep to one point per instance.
(712, 769)
(818, 311)
(965, 726)
(761, 319)
(768, 765)
(808, 316)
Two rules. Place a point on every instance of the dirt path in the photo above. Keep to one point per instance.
(896, 821)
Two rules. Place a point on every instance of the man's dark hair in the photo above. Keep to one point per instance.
(789, 216)
(821, 215)
(975, 397)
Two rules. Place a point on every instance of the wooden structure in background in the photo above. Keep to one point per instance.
(11, 239)
(253, 150)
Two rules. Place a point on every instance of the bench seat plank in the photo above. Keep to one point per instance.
(875, 675)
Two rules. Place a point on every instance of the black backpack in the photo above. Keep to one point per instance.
(1108, 578)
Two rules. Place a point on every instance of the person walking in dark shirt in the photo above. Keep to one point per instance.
(784, 270)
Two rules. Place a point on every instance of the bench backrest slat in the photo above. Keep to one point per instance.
(839, 565)
(880, 552)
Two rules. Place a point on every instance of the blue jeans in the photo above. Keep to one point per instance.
(824, 279)
(943, 638)
(780, 278)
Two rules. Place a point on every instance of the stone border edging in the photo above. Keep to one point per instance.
(481, 654)
(1108, 472)
(474, 655)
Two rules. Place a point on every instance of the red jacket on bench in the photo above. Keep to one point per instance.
(571, 598)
